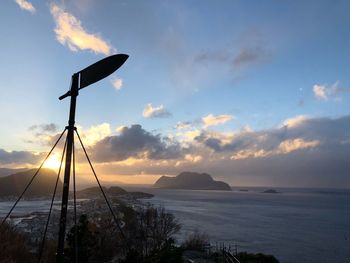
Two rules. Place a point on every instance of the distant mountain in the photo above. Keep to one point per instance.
(9, 171)
(191, 181)
(43, 184)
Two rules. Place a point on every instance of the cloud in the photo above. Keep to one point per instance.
(137, 143)
(245, 56)
(324, 92)
(183, 125)
(249, 56)
(320, 92)
(288, 146)
(25, 5)
(295, 121)
(42, 134)
(249, 50)
(307, 152)
(19, 157)
(95, 133)
(70, 32)
(50, 127)
(211, 120)
(117, 83)
(155, 112)
(300, 133)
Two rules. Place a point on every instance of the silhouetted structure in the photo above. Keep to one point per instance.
(80, 80)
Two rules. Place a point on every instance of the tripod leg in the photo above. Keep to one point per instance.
(32, 179)
(52, 200)
(103, 193)
(75, 210)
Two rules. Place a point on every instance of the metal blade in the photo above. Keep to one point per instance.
(101, 69)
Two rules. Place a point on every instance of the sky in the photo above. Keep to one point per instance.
(256, 93)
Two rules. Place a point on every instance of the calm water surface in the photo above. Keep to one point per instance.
(296, 225)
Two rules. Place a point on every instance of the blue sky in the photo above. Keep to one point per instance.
(249, 65)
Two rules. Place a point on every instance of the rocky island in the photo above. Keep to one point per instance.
(113, 191)
(271, 191)
(191, 181)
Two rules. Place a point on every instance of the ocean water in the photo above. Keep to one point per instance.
(295, 225)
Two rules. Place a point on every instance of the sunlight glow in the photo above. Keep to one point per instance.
(53, 162)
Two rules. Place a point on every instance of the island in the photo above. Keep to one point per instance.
(113, 191)
(271, 191)
(191, 181)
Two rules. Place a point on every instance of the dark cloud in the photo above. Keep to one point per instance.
(246, 56)
(160, 114)
(135, 142)
(44, 134)
(329, 132)
(41, 128)
(325, 165)
(18, 157)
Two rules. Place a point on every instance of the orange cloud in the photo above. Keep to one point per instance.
(212, 120)
(70, 32)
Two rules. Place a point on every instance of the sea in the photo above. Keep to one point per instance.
(294, 225)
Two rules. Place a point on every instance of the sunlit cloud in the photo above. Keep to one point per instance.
(120, 129)
(155, 112)
(117, 84)
(70, 32)
(303, 148)
(288, 146)
(193, 158)
(188, 136)
(325, 92)
(250, 153)
(211, 120)
(25, 5)
(95, 133)
(295, 121)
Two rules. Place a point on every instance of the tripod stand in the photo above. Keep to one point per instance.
(82, 79)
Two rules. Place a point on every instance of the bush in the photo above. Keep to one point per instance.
(196, 241)
(13, 246)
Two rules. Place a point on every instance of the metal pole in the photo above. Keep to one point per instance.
(70, 140)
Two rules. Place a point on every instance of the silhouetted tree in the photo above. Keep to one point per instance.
(87, 245)
(148, 232)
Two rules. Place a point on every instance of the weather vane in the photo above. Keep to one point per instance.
(80, 80)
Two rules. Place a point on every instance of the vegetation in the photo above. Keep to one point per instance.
(13, 246)
(147, 236)
(196, 241)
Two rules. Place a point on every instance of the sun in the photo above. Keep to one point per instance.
(53, 162)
